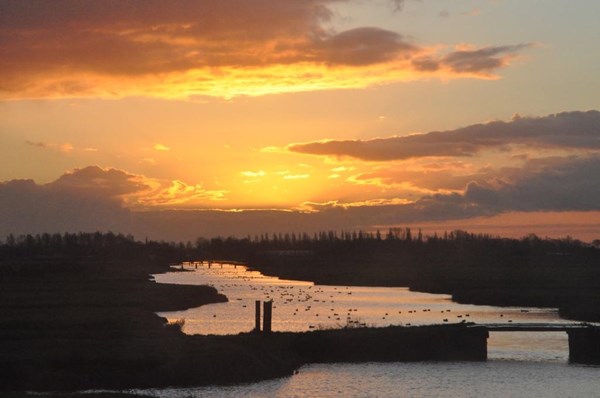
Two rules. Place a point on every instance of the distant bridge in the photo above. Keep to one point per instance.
(532, 327)
(584, 339)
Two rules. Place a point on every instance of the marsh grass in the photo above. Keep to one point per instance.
(176, 325)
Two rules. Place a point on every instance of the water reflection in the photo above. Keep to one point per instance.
(302, 306)
(520, 363)
(425, 379)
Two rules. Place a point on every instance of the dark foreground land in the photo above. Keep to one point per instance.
(83, 323)
(71, 395)
(78, 311)
(81, 316)
(92, 326)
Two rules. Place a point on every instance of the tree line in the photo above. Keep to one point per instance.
(249, 248)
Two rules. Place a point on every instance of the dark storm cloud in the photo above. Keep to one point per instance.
(568, 130)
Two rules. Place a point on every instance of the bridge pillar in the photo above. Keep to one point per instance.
(584, 345)
(257, 316)
(267, 316)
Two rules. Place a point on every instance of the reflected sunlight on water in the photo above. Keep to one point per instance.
(302, 306)
(520, 363)
(424, 379)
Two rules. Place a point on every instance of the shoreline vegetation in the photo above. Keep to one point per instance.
(77, 311)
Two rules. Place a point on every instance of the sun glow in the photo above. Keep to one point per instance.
(339, 105)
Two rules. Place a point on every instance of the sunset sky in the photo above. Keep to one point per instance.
(279, 115)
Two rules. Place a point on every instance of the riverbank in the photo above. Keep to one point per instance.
(568, 280)
(80, 313)
(81, 324)
(91, 327)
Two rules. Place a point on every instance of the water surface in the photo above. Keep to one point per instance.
(302, 306)
(495, 378)
(521, 364)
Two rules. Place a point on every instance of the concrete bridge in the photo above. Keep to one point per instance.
(531, 327)
(584, 339)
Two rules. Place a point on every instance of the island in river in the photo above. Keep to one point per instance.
(78, 310)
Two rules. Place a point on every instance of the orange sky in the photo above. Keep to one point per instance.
(391, 111)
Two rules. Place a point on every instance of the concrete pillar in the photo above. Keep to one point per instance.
(268, 313)
(584, 345)
(257, 316)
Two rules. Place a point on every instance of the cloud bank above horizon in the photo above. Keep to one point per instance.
(154, 115)
(561, 177)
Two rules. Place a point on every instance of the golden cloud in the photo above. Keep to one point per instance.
(113, 48)
(296, 176)
(161, 147)
(177, 193)
(134, 190)
(336, 204)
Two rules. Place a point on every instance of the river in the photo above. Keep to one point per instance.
(520, 363)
